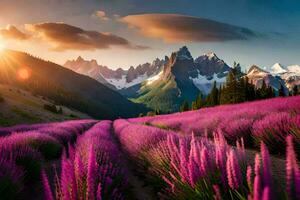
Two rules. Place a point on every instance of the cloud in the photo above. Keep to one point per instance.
(174, 28)
(11, 32)
(101, 15)
(66, 37)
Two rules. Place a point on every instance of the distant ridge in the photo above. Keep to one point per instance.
(65, 86)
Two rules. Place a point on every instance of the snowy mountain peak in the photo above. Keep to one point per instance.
(184, 54)
(277, 68)
(210, 55)
(294, 69)
(119, 78)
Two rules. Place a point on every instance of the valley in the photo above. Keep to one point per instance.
(166, 83)
(149, 100)
(157, 151)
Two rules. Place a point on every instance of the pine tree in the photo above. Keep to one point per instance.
(194, 105)
(295, 90)
(199, 102)
(281, 92)
(184, 106)
(231, 91)
(263, 93)
(250, 91)
(270, 92)
(157, 111)
(213, 98)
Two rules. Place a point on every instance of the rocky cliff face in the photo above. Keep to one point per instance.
(118, 78)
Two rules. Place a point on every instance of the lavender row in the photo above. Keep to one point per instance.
(25, 127)
(92, 169)
(197, 168)
(269, 121)
(25, 153)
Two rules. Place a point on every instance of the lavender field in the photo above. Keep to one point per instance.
(242, 151)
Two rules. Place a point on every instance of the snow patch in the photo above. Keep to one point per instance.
(204, 84)
(294, 69)
(277, 69)
(210, 55)
(122, 83)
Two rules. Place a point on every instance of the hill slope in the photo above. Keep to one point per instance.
(64, 86)
(21, 107)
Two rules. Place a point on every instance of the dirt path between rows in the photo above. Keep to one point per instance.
(277, 167)
(139, 188)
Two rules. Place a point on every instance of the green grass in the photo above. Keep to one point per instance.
(20, 118)
(26, 115)
(161, 95)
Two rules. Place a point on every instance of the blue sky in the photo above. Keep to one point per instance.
(274, 22)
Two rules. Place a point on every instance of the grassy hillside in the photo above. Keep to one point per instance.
(162, 95)
(21, 107)
(64, 86)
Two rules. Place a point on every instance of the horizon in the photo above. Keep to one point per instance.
(267, 68)
(130, 30)
(149, 99)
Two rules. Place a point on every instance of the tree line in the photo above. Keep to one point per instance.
(237, 89)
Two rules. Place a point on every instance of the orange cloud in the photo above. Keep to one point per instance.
(66, 37)
(11, 32)
(174, 28)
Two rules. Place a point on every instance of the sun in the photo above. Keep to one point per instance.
(23, 74)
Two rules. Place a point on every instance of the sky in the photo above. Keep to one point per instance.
(124, 33)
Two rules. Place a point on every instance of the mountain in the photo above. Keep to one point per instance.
(119, 78)
(290, 74)
(88, 68)
(182, 78)
(166, 83)
(256, 75)
(210, 68)
(277, 68)
(64, 86)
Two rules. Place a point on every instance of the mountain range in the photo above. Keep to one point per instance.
(116, 79)
(290, 74)
(165, 83)
(64, 87)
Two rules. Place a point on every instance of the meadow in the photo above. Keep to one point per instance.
(242, 151)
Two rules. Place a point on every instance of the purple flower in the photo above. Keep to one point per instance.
(233, 171)
(292, 170)
(217, 191)
(91, 174)
(99, 192)
(266, 165)
(47, 188)
(257, 179)
(266, 194)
